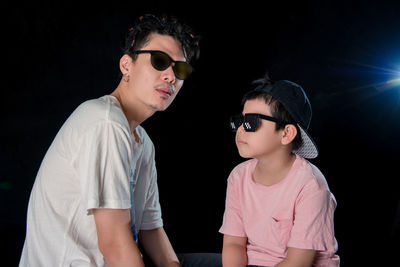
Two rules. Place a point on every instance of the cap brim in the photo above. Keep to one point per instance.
(308, 149)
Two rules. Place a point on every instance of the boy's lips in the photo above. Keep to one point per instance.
(240, 141)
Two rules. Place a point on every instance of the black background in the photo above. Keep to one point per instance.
(57, 55)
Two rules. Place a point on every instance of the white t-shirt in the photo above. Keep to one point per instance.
(94, 162)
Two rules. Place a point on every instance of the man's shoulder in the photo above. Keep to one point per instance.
(104, 104)
(90, 108)
(104, 108)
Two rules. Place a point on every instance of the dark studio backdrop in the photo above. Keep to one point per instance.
(343, 53)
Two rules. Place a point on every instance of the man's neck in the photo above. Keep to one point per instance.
(134, 111)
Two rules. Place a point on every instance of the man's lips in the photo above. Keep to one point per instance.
(165, 91)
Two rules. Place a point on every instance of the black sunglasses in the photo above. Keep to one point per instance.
(250, 121)
(161, 61)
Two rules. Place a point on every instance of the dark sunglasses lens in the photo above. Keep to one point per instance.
(160, 61)
(250, 123)
(235, 122)
(182, 70)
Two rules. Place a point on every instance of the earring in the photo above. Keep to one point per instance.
(126, 77)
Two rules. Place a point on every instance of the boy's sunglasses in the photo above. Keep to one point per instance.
(161, 61)
(250, 121)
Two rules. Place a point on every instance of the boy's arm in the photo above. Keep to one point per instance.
(158, 247)
(298, 258)
(115, 238)
(234, 251)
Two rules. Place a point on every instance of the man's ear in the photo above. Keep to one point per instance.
(125, 64)
(288, 134)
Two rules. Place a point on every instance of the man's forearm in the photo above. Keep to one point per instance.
(124, 257)
(158, 247)
(173, 264)
(115, 238)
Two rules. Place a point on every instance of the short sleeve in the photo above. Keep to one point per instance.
(103, 166)
(313, 223)
(232, 221)
(152, 210)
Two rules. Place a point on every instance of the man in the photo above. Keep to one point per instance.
(95, 194)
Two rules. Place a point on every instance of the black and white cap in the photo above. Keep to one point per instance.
(296, 102)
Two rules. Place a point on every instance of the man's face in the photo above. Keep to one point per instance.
(153, 88)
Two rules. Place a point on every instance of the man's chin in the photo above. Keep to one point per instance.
(161, 106)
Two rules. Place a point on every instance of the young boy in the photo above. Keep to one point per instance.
(279, 210)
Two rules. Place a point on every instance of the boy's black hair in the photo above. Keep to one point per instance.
(147, 24)
(277, 109)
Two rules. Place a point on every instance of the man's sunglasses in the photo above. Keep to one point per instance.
(161, 61)
(250, 121)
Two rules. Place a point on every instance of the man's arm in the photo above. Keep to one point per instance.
(234, 251)
(157, 246)
(298, 258)
(115, 238)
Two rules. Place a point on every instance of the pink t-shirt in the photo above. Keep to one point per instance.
(296, 212)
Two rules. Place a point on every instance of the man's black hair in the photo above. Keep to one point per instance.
(147, 24)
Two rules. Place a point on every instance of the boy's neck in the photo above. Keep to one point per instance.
(272, 170)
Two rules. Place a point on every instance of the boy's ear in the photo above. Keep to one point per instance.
(288, 134)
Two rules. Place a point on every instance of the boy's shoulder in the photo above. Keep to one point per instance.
(244, 168)
(311, 174)
(249, 163)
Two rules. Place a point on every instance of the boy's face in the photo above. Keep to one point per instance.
(265, 140)
(155, 89)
